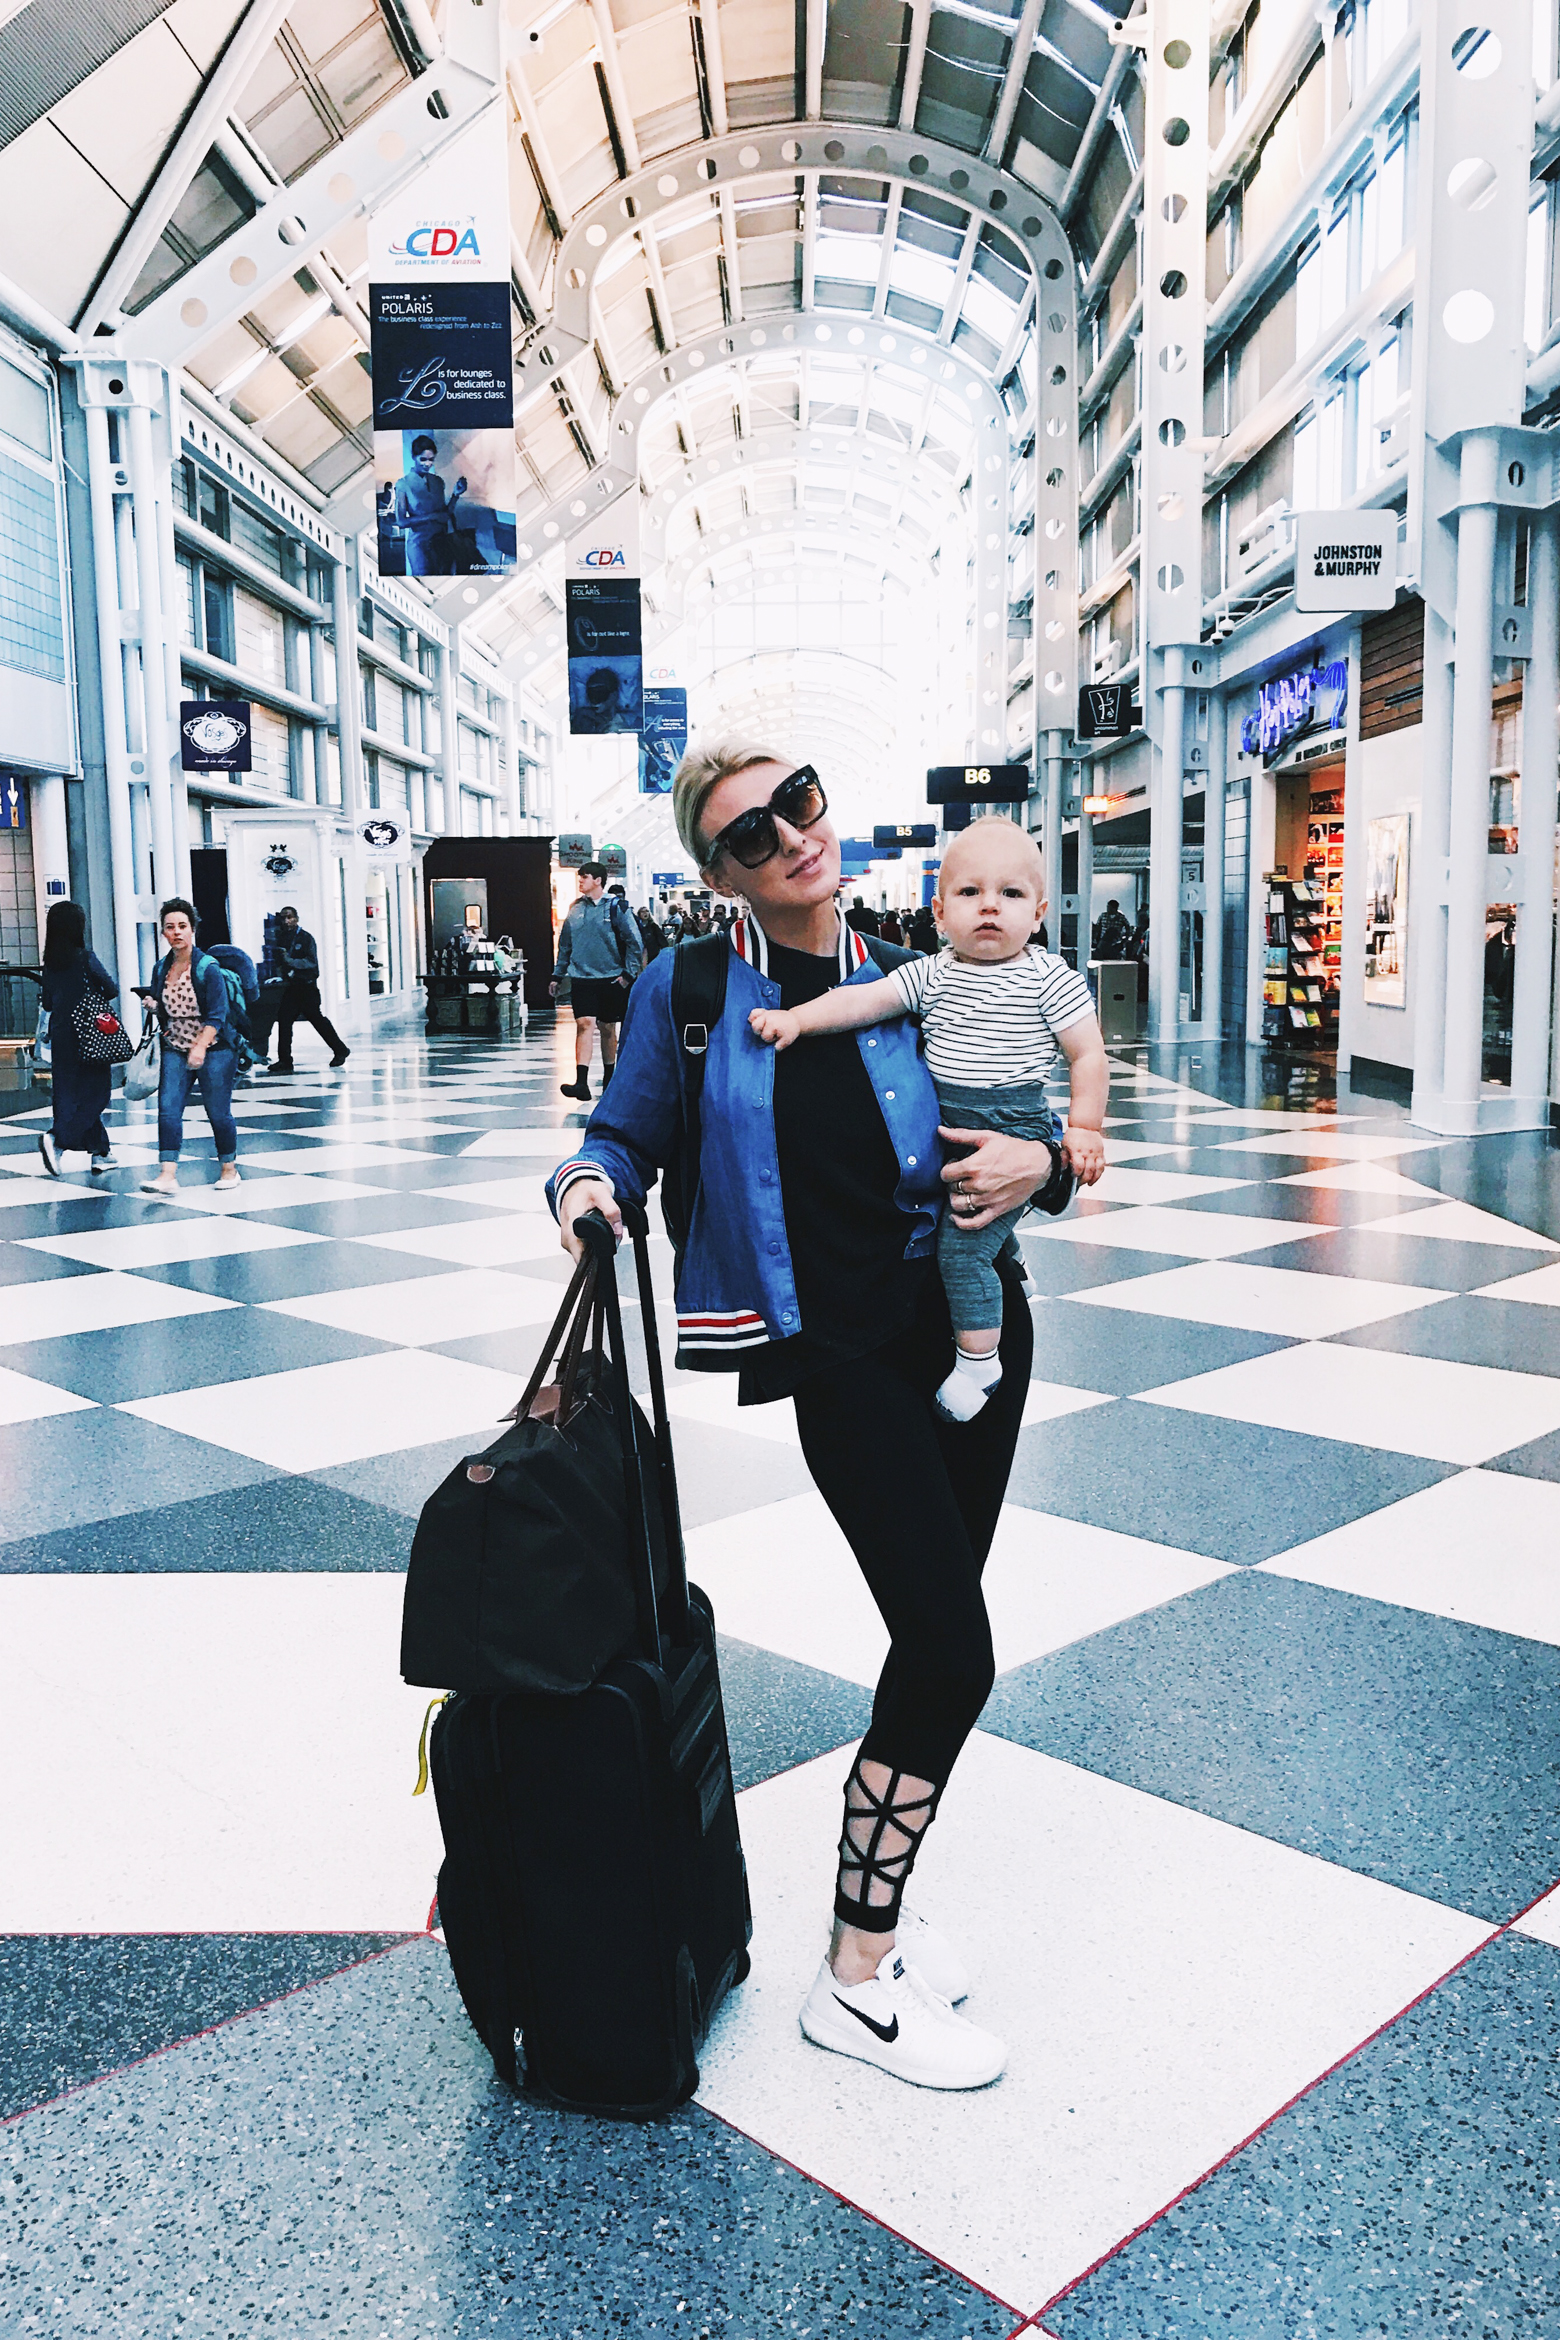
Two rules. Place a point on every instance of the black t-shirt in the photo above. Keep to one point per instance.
(838, 1174)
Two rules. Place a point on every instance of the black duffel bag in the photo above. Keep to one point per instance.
(521, 1575)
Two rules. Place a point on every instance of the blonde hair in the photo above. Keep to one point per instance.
(699, 775)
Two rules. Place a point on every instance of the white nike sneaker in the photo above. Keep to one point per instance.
(897, 2021)
(932, 1955)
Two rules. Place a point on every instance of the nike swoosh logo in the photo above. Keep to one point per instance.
(887, 2032)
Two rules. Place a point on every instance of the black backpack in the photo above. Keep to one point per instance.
(698, 1000)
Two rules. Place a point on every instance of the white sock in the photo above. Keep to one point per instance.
(969, 1384)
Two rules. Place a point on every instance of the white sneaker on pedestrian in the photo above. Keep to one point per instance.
(897, 2021)
(932, 1955)
(50, 1152)
(102, 1162)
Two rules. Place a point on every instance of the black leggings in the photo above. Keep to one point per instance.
(918, 1499)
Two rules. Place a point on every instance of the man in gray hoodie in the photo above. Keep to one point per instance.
(600, 951)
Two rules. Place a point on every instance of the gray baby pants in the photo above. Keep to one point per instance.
(968, 1261)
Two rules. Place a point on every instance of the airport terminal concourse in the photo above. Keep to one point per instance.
(904, 657)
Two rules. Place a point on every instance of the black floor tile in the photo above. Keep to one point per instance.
(296, 1272)
(80, 2005)
(346, 2162)
(18, 1265)
(128, 1361)
(1057, 1266)
(1512, 1335)
(1540, 1459)
(373, 1214)
(1430, 1261)
(1122, 1351)
(780, 1713)
(100, 1464)
(1234, 1491)
(287, 1525)
(1411, 1748)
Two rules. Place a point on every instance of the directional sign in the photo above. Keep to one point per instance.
(907, 833)
(1105, 711)
(13, 803)
(977, 784)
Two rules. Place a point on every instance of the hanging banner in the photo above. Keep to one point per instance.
(1345, 560)
(443, 374)
(386, 836)
(663, 735)
(602, 623)
(214, 735)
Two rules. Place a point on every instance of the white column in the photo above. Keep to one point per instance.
(164, 429)
(160, 727)
(1085, 880)
(449, 733)
(1055, 798)
(1164, 857)
(51, 848)
(349, 688)
(1213, 868)
(509, 780)
(1468, 877)
(1530, 1019)
(111, 662)
(1427, 946)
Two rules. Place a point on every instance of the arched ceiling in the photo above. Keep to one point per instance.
(146, 135)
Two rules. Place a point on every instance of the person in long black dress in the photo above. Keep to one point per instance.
(81, 1091)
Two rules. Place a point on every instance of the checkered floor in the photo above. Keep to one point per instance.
(1254, 1858)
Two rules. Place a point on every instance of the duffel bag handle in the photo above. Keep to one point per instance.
(581, 1296)
(601, 1248)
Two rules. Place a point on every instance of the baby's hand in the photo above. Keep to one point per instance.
(776, 1027)
(1085, 1150)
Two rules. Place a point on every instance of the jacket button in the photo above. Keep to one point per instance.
(774, 1247)
(910, 1161)
(888, 1096)
(872, 1044)
(786, 1318)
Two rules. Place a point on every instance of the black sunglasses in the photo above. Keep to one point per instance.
(752, 837)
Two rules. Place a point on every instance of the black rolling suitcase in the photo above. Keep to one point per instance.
(593, 1896)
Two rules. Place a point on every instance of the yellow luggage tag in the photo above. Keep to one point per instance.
(422, 1744)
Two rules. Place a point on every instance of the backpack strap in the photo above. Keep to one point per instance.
(699, 968)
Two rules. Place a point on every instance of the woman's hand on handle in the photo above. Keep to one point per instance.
(1000, 1175)
(587, 1194)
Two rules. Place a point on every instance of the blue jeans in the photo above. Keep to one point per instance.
(215, 1080)
(968, 1260)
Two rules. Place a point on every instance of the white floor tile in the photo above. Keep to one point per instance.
(77, 1304)
(543, 1145)
(319, 1415)
(1541, 1287)
(1268, 1117)
(1372, 1397)
(1284, 1301)
(391, 1128)
(1543, 1920)
(1460, 1222)
(270, 1193)
(1158, 1186)
(22, 1399)
(784, 1578)
(159, 1241)
(260, 1109)
(527, 1193)
(712, 1398)
(1483, 1548)
(1168, 1994)
(1360, 1178)
(1048, 1401)
(496, 1242)
(1136, 1149)
(211, 1754)
(1340, 1145)
(19, 1193)
(351, 1153)
(428, 1309)
(1192, 1234)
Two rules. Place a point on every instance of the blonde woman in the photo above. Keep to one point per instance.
(808, 1268)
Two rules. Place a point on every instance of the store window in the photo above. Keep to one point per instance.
(217, 610)
(212, 500)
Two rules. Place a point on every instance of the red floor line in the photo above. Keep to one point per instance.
(117, 2071)
(871, 2216)
(1496, 1934)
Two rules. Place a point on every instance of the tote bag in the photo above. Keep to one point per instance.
(100, 1037)
(144, 1069)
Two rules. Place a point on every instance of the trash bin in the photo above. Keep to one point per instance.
(1116, 997)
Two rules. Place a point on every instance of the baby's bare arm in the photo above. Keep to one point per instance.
(847, 1008)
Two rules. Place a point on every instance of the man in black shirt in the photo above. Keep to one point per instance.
(300, 1001)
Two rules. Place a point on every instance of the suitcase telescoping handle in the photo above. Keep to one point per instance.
(641, 1471)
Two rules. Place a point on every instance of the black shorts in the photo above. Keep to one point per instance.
(605, 1001)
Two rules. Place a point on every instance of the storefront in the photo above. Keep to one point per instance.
(1292, 746)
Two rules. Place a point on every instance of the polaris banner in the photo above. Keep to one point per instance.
(443, 376)
(663, 735)
(602, 623)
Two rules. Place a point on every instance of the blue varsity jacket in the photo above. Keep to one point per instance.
(735, 1286)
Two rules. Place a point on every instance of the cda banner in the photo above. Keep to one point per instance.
(663, 735)
(443, 374)
(603, 625)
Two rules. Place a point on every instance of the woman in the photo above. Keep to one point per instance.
(809, 1266)
(890, 929)
(81, 1090)
(190, 995)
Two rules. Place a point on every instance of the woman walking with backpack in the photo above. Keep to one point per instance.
(189, 995)
(808, 1264)
(81, 1090)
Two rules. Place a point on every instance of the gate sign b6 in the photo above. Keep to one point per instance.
(977, 784)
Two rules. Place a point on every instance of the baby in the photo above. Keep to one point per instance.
(994, 1009)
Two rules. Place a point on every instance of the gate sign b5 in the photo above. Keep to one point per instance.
(977, 784)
